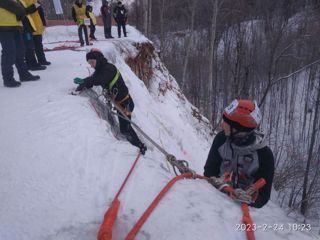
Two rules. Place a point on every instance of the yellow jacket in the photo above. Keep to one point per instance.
(36, 19)
(9, 19)
(93, 18)
(24, 3)
(80, 13)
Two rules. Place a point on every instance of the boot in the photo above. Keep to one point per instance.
(45, 62)
(37, 67)
(29, 77)
(143, 148)
(12, 84)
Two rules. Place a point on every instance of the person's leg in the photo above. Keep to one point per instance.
(30, 56)
(80, 27)
(119, 30)
(21, 65)
(105, 28)
(37, 39)
(124, 28)
(86, 37)
(7, 41)
(92, 31)
(109, 32)
(126, 128)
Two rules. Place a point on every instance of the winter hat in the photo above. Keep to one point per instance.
(95, 54)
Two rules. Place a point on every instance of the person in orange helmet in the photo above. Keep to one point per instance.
(239, 156)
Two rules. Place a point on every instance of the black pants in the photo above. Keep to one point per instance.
(30, 54)
(12, 53)
(92, 31)
(38, 47)
(107, 32)
(125, 126)
(83, 28)
(123, 25)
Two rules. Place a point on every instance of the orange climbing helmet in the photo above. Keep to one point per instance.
(243, 115)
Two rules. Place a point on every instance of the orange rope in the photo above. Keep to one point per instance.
(105, 230)
(127, 177)
(131, 235)
(246, 218)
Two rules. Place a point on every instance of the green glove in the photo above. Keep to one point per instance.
(78, 80)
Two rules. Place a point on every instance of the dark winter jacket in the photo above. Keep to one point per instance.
(104, 74)
(106, 14)
(15, 8)
(120, 14)
(264, 165)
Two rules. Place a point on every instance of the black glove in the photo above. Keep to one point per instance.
(80, 87)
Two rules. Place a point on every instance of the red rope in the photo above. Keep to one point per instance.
(131, 235)
(127, 177)
(105, 230)
(246, 218)
(61, 48)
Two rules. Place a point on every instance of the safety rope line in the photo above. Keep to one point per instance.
(181, 165)
(105, 230)
(128, 175)
(246, 218)
(135, 229)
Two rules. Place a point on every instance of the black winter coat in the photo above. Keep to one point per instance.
(120, 13)
(104, 74)
(266, 168)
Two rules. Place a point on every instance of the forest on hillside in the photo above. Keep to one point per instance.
(269, 51)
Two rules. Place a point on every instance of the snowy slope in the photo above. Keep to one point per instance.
(61, 166)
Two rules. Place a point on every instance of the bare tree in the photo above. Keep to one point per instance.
(192, 10)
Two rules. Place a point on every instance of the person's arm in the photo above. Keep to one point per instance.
(14, 7)
(266, 171)
(42, 16)
(74, 16)
(102, 11)
(31, 9)
(87, 11)
(214, 160)
(115, 12)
